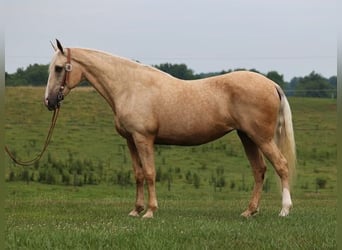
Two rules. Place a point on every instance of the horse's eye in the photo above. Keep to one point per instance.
(58, 69)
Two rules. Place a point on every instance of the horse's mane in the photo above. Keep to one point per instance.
(123, 60)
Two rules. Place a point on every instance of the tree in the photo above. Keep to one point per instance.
(292, 85)
(277, 78)
(333, 81)
(37, 74)
(34, 75)
(180, 71)
(313, 85)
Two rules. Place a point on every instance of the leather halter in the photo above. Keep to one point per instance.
(68, 69)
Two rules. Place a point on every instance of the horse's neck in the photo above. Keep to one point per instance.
(108, 74)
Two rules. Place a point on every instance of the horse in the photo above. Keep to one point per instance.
(152, 107)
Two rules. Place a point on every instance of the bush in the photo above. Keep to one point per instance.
(232, 185)
(321, 183)
(196, 181)
(188, 177)
(78, 180)
(123, 178)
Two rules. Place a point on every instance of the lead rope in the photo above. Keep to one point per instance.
(47, 141)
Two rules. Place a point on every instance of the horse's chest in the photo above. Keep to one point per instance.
(143, 123)
(120, 129)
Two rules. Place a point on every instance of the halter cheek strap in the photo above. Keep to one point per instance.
(68, 69)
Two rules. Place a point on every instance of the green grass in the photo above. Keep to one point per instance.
(95, 217)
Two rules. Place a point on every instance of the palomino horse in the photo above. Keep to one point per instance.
(152, 107)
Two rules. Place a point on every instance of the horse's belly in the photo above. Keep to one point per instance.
(189, 137)
(200, 119)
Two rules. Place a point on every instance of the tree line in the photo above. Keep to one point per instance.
(311, 85)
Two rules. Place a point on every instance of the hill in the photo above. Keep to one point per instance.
(86, 149)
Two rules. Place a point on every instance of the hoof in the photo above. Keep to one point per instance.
(134, 213)
(284, 211)
(287, 203)
(248, 213)
(148, 215)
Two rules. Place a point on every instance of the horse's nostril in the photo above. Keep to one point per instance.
(49, 105)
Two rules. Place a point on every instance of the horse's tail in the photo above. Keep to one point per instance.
(284, 135)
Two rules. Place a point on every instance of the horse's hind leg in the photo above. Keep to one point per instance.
(139, 179)
(279, 162)
(257, 162)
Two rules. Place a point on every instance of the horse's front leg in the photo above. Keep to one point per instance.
(144, 145)
(139, 179)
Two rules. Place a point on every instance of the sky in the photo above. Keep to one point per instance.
(293, 37)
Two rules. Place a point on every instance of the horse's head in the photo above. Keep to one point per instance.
(64, 75)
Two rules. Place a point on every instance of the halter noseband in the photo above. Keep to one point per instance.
(68, 69)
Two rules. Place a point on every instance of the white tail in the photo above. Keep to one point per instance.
(284, 135)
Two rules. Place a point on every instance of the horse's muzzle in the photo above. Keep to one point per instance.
(50, 105)
(54, 103)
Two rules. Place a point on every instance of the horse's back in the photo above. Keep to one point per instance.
(195, 112)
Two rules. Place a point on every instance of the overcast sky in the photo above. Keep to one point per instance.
(293, 37)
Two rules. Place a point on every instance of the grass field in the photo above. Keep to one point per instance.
(95, 216)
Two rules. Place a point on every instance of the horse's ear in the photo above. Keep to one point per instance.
(59, 46)
(53, 46)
